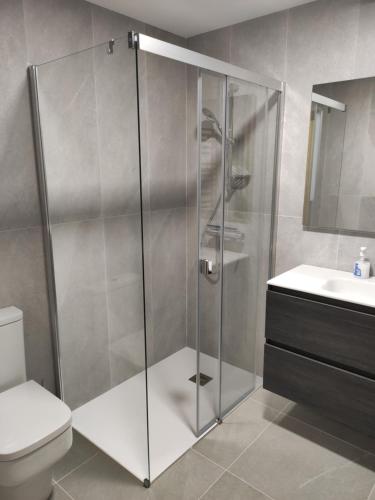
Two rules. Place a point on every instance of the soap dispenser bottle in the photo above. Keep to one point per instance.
(362, 266)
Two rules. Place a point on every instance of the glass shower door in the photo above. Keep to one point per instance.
(211, 138)
(245, 194)
(237, 145)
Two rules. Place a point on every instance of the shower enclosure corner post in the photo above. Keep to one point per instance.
(32, 72)
(224, 170)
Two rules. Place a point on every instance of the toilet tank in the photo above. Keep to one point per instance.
(12, 348)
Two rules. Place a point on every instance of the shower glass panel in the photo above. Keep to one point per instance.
(245, 195)
(87, 121)
(166, 123)
(211, 129)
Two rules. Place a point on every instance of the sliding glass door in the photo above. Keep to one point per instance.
(237, 143)
(211, 139)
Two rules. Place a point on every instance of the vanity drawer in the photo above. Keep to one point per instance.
(344, 396)
(332, 333)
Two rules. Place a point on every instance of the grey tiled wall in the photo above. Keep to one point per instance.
(327, 40)
(318, 42)
(92, 157)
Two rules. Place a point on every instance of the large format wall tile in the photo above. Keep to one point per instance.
(19, 202)
(294, 149)
(23, 284)
(164, 35)
(56, 28)
(214, 44)
(81, 105)
(165, 113)
(82, 309)
(116, 101)
(166, 281)
(321, 41)
(364, 60)
(116, 93)
(327, 40)
(268, 32)
(70, 138)
(295, 247)
(108, 24)
(320, 48)
(348, 251)
(123, 246)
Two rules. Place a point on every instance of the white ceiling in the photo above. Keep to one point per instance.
(191, 17)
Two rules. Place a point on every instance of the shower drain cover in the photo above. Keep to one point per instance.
(203, 379)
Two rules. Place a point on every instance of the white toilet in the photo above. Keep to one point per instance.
(35, 426)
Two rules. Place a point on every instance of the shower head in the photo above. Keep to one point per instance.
(237, 179)
(211, 127)
(210, 115)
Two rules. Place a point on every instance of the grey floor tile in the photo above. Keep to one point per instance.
(224, 444)
(187, 479)
(103, 478)
(270, 399)
(372, 494)
(314, 417)
(80, 451)
(292, 460)
(229, 486)
(352, 481)
(59, 494)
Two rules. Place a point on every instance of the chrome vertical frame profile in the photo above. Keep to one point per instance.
(200, 430)
(43, 194)
(198, 249)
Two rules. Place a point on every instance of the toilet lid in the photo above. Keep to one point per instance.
(30, 417)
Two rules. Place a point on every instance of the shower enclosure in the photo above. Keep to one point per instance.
(157, 168)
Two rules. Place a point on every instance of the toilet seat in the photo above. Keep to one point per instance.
(30, 417)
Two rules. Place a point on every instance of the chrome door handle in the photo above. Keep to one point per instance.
(206, 267)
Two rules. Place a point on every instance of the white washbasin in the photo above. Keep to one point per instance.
(362, 289)
(331, 283)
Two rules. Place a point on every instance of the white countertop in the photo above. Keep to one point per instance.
(330, 283)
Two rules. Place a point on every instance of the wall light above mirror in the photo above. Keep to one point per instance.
(340, 173)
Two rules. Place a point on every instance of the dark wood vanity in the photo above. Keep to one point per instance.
(320, 352)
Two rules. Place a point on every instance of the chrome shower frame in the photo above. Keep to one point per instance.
(147, 44)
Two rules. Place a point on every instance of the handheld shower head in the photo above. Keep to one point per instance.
(237, 179)
(211, 127)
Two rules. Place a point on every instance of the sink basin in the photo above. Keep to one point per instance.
(352, 288)
(331, 283)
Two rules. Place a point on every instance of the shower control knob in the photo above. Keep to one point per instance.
(206, 266)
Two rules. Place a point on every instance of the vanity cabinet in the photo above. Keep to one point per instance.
(321, 352)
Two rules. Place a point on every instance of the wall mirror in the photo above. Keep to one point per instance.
(340, 173)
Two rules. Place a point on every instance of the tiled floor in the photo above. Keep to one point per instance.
(268, 448)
